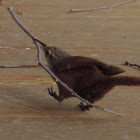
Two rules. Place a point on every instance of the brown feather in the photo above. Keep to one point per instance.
(78, 62)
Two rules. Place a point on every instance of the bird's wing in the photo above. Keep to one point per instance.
(79, 62)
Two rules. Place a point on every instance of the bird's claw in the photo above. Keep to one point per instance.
(51, 92)
(84, 107)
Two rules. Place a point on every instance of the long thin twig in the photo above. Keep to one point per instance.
(132, 65)
(18, 66)
(3, 47)
(100, 8)
(7, 47)
(56, 79)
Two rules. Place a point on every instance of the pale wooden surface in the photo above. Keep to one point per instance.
(26, 109)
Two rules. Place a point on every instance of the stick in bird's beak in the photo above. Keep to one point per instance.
(43, 45)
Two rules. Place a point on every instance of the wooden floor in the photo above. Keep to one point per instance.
(111, 35)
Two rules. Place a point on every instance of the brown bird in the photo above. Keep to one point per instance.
(89, 78)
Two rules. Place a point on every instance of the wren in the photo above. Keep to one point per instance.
(89, 78)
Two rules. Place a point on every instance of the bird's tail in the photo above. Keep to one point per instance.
(125, 80)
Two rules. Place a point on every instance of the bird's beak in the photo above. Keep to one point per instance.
(42, 48)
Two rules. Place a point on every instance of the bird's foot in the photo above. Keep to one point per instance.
(84, 107)
(53, 93)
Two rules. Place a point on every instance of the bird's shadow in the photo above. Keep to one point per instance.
(39, 101)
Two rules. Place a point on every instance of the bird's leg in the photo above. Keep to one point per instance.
(85, 107)
(53, 93)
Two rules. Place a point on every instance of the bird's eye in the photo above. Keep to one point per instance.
(48, 52)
